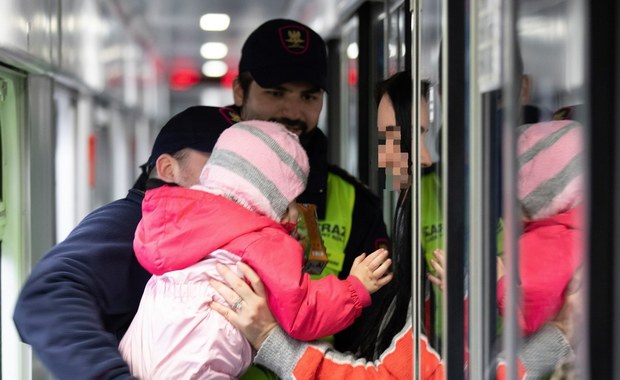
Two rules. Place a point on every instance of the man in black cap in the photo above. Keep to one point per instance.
(81, 297)
(283, 78)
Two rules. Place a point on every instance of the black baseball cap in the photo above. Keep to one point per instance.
(197, 127)
(283, 50)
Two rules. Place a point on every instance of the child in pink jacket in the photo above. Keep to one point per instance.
(243, 209)
(550, 191)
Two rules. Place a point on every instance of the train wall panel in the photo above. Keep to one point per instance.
(29, 26)
(41, 134)
(83, 29)
(87, 42)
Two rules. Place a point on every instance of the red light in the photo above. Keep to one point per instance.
(183, 78)
(352, 77)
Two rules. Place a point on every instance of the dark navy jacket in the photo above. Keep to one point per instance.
(81, 297)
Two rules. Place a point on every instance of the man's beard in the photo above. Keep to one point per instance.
(296, 126)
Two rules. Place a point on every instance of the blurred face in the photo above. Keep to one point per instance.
(292, 214)
(297, 105)
(391, 157)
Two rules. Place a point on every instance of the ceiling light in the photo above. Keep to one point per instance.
(214, 69)
(352, 51)
(214, 50)
(214, 21)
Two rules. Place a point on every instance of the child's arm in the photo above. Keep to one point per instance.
(371, 270)
(309, 309)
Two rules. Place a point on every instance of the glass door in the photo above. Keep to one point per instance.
(526, 93)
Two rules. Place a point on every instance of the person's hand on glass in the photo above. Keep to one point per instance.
(438, 264)
(247, 306)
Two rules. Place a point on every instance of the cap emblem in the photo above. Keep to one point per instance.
(294, 39)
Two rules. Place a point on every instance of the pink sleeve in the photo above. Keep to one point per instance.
(525, 325)
(546, 265)
(361, 290)
(306, 309)
(533, 312)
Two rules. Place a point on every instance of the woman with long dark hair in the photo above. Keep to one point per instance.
(395, 97)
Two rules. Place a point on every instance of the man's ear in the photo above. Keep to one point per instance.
(237, 92)
(166, 167)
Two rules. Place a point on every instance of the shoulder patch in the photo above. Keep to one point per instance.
(230, 114)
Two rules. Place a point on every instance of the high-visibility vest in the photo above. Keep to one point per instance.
(432, 234)
(336, 226)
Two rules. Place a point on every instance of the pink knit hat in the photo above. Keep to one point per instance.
(550, 167)
(259, 165)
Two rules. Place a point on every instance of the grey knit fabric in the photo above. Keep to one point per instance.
(544, 351)
(280, 353)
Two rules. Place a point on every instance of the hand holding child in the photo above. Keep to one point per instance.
(372, 270)
(571, 316)
(247, 307)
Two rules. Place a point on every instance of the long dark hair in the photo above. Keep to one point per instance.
(380, 333)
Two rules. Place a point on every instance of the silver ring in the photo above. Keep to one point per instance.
(237, 305)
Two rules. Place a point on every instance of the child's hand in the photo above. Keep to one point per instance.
(372, 270)
(438, 263)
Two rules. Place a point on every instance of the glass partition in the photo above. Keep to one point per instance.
(526, 172)
(508, 136)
